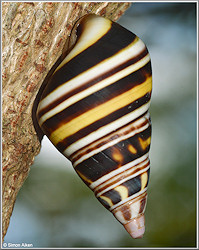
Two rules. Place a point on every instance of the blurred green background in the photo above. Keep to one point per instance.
(55, 208)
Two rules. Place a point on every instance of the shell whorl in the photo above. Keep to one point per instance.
(95, 111)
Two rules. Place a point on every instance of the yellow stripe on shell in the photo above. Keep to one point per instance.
(100, 111)
(100, 85)
(132, 50)
(105, 130)
(85, 155)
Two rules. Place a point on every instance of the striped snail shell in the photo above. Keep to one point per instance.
(94, 109)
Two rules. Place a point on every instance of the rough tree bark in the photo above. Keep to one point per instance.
(33, 36)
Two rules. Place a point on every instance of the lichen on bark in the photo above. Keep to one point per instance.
(33, 36)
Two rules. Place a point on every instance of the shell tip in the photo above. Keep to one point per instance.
(136, 227)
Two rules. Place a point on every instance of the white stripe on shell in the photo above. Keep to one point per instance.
(128, 199)
(120, 131)
(112, 142)
(127, 172)
(123, 55)
(98, 86)
(94, 29)
(125, 179)
(118, 171)
(104, 130)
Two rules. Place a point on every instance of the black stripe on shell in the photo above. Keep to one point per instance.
(103, 162)
(133, 186)
(117, 37)
(145, 70)
(102, 122)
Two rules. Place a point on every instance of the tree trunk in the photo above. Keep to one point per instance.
(34, 34)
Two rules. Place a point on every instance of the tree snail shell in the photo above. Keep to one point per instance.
(94, 109)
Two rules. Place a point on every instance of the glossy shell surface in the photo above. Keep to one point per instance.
(95, 111)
